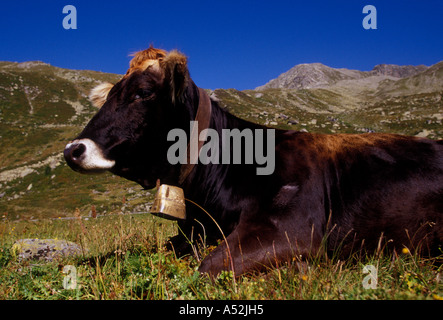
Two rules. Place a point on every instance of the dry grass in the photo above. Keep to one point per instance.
(124, 259)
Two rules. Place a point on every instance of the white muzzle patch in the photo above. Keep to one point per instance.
(88, 155)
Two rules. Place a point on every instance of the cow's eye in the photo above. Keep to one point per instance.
(142, 94)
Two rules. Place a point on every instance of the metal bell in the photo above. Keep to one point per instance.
(169, 203)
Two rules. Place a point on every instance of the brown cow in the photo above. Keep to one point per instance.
(332, 193)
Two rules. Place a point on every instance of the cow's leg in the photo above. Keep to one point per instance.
(190, 237)
(179, 245)
(256, 248)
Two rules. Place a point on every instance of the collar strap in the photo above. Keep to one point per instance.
(202, 118)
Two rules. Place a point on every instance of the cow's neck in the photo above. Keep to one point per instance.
(204, 182)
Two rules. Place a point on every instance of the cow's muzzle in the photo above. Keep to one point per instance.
(85, 156)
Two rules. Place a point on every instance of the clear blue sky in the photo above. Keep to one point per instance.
(230, 44)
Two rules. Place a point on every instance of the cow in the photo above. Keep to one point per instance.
(327, 193)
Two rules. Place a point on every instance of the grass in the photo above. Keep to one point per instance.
(124, 259)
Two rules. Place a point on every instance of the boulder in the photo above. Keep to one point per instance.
(44, 249)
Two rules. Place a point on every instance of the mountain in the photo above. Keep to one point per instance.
(317, 75)
(43, 107)
(429, 80)
(314, 97)
(306, 76)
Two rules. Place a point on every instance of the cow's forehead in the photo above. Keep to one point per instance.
(136, 79)
(142, 66)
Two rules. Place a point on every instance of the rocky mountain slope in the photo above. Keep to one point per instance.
(317, 75)
(314, 97)
(42, 107)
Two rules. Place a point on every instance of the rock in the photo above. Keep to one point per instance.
(423, 134)
(44, 249)
(292, 122)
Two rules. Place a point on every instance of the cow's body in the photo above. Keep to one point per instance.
(327, 192)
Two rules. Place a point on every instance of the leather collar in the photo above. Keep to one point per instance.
(202, 118)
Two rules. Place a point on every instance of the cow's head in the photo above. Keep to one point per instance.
(128, 134)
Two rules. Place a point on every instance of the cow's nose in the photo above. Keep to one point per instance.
(85, 156)
(74, 154)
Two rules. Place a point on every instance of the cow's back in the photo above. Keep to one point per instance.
(373, 185)
(386, 185)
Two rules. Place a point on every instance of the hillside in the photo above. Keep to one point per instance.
(389, 98)
(42, 107)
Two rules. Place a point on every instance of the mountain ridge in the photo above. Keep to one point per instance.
(317, 75)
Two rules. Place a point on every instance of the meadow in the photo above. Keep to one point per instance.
(124, 258)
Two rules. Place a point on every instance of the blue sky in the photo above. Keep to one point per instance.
(230, 44)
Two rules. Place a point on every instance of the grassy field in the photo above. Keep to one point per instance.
(124, 259)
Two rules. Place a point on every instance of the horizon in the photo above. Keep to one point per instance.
(310, 63)
(239, 45)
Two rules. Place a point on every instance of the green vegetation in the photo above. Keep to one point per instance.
(125, 259)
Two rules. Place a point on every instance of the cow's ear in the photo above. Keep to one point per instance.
(99, 94)
(176, 73)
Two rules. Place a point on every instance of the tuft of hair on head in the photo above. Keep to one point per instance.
(99, 94)
(145, 58)
(175, 66)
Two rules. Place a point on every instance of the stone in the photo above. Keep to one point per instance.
(423, 134)
(44, 249)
